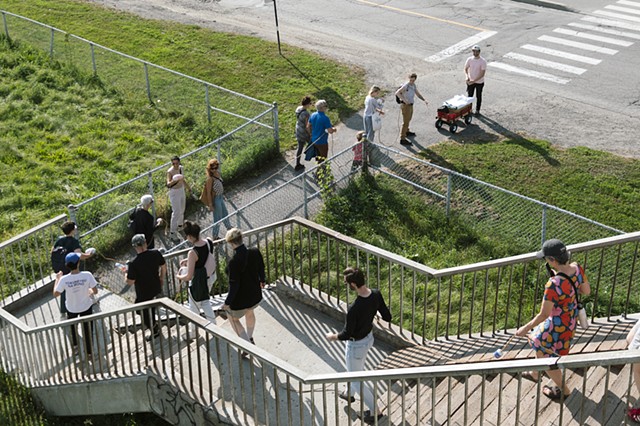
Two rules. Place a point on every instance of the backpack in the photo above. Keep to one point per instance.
(398, 100)
(58, 263)
(131, 225)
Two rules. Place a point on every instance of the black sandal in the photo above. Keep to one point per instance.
(552, 392)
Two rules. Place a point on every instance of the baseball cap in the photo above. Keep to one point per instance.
(138, 240)
(476, 47)
(72, 258)
(552, 248)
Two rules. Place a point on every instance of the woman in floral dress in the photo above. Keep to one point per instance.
(555, 324)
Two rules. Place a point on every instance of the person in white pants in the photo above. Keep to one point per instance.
(177, 196)
(195, 260)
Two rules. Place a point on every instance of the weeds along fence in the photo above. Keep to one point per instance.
(522, 220)
(143, 82)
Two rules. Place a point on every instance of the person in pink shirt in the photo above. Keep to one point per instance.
(474, 69)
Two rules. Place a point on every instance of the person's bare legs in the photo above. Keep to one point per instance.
(554, 375)
(250, 323)
(238, 328)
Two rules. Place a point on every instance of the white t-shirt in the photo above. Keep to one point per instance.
(78, 291)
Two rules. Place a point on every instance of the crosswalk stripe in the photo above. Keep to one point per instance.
(617, 15)
(561, 54)
(605, 30)
(461, 46)
(593, 37)
(578, 45)
(529, 73)
(610, 23)
(628, 3)
(545, 63)
(623, 9)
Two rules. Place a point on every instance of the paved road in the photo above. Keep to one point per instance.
(540, 82)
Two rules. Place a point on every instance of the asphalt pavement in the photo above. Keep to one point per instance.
(586, 95)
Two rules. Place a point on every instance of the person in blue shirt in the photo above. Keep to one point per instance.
(320, 128)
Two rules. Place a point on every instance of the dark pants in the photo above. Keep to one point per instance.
(477, 87)
(87, 328)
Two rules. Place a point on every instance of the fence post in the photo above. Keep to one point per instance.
(218, 156)
(448, 208)
(276, 130)
(72, 210)
(366, 147)
(146, 77)
(304, 195)
(206, 98)
(544, 223)
(51, 44)
(93, 60)
(153, 205)
(6, 29)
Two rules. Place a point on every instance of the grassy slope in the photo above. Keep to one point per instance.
(601, 186)
(65, 137)
(244, 64)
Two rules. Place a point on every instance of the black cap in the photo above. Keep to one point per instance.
(552, 248)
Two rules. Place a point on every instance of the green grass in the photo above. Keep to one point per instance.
(595, 184)
(240, 63)
(68, 135)
(17, 407)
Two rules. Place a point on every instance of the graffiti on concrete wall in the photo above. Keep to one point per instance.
(176, 407)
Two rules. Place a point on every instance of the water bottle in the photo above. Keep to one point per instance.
(582, 317)
(122, 266)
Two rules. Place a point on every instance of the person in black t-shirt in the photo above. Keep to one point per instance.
(143, 222)
(147, 272)
(71, 245)
(357, 333)
(246, 280)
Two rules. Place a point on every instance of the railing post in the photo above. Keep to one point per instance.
(146, 77)
(206, 98)
(448, 194)
(51, 43)
(150, 184)
(304, 195)
(276, 130)
(544, 224)
(93, 60)
(218, 156)
(6, 28)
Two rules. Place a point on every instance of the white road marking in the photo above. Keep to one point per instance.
(605, 30)
(529, 73)
(617, 15)
(609, 22)
(465, 44)
(544, 63)
(593, 37)
(578, 45)
(628, 3)
(561, 54)
(623, 9)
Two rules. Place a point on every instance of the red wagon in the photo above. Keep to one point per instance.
(453, 109)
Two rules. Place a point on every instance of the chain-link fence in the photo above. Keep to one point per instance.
(517, 218)
(103, 219)
(140, 81)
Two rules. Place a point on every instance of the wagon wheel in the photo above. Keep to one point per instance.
(438, 124)
(467, 119)
(453, 128)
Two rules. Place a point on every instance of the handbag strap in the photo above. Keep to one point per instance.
(573, 283)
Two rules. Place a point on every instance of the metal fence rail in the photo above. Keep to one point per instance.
(316, 255)
(520, 219)
(25, 263)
